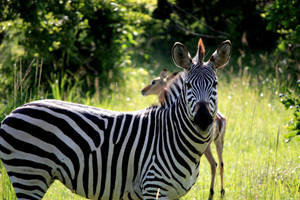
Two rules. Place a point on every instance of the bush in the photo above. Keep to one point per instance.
(87, 38)
(292, 101)
(283, 16)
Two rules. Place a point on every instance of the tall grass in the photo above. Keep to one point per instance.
(258, 164)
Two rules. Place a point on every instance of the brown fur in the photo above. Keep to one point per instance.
(170, 79)
(201, 51)
(160, 87)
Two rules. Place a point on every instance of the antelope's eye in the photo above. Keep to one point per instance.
(153, 82)
(215, 83)
(188, 85)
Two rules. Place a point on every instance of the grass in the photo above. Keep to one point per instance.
(258, 163)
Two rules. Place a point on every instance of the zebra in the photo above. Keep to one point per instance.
(102, 154)
(157, 85)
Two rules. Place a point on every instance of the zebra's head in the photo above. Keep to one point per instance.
(200, 82)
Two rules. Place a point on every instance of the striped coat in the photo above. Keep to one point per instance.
(98, 153)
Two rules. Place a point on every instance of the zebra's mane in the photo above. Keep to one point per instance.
(171, 92)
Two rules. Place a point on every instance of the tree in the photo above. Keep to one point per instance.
(87, 38)
(283, 16)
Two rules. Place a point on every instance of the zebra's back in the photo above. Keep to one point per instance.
(86, 148)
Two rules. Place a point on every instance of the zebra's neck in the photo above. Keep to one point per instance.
(183, 131)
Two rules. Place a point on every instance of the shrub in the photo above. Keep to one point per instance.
(87, 38)
(292, 101)
(283, 16)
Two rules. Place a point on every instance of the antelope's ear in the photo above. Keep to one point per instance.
(222, 55)
(163, 74)
(181, 56)
(200, 53)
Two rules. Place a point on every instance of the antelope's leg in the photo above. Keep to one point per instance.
(219, 145)
(213, 165)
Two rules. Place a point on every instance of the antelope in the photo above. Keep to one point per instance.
(156, 87)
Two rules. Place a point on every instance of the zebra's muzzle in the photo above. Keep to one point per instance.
(203, 117)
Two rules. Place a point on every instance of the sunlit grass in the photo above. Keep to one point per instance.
(258, 164)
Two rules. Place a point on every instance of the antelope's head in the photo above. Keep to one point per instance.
(156, 85)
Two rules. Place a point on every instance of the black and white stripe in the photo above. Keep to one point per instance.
(101, 154)
(207, 88)
(96, 153)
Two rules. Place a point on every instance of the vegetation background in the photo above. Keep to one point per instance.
(102, 53)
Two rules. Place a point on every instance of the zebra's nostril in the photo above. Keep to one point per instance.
(203, 121)
(203, 118)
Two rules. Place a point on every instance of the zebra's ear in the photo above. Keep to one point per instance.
(181, 56)
(222, 55)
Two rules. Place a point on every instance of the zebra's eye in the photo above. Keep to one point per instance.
(188, 85)
(215, 83)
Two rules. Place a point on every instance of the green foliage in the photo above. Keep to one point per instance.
(292, 101)
(63, 89)
(24, 87)
(283, 16)
(87, 38)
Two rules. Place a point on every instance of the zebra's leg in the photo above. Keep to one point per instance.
(27, 185)
(213, 165)
(30, 188)
(219, 146)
